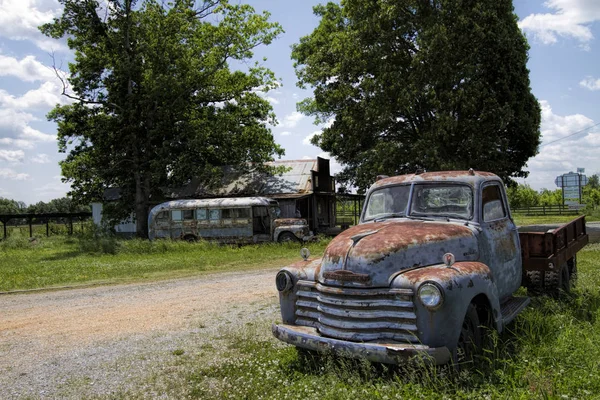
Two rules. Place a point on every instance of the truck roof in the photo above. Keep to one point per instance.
(470, 177)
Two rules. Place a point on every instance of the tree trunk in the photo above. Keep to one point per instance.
(141, 205)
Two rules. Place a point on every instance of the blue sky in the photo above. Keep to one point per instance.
(564, 64)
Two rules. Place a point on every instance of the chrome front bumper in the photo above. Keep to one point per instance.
(389, 353)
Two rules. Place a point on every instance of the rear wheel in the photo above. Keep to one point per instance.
(189, 238)
(572, 263)
(536, 283)
(556, 282)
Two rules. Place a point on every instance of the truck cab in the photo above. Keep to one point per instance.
(436, 256)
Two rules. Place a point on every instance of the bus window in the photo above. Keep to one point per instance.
(176, 215)
(214, 216)
(188, 214)
(242, 213)
(201, 213)
(227, 215)
(162, 216)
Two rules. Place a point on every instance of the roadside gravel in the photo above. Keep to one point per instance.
(112, 341)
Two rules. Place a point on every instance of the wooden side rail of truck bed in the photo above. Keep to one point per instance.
(544, 251)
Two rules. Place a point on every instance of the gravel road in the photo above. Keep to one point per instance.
(104, 340)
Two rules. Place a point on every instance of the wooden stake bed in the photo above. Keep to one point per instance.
(548, 251)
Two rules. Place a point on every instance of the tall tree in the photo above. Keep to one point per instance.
(413, 84)
(155, 102)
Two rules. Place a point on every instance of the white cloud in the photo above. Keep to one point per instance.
(23, 144)
(13, 156)
(27, 69)
(41, 159)
(44, 97)
(8, 173)
(15, 129)
(307, 140)
(19, 20)
(569, 18)
(590, 83)
(285, 133)
(291, 120)
(554, 126)
(565, 155)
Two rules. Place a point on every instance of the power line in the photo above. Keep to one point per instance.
(572, 134)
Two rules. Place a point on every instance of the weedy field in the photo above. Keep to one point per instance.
(63, 261)
(551, 351)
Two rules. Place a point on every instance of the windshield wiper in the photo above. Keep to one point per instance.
(420, 218)
(389, 215)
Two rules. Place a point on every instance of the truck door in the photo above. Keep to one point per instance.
(500, 245)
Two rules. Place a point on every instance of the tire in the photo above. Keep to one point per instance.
(536, 283)
(287, 237)
(470, 339)
(557, 282)
(572, 263)
(190, 238)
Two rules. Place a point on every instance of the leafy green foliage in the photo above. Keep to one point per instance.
(8, 206)
(436, 85)
(155, 102)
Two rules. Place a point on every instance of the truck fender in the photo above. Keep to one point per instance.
(460, 284)
(295, 230)
(302, 270)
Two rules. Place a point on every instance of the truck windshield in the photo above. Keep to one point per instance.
(443, 200)
(387, 202)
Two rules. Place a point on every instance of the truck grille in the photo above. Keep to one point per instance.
(358, 315)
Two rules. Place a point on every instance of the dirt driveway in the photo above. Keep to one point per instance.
(56, 344)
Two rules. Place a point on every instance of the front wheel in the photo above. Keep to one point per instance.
(287, 237)
(470, 339)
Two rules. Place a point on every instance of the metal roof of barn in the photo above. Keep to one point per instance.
(296, 180)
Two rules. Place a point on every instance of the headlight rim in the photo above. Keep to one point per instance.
(438, 287)
(289, 283)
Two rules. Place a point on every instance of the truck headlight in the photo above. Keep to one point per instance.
(283, 281)
(430, 295)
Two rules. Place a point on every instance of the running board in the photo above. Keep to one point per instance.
(512, 307)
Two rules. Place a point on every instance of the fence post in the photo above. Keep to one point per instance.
(30, 220)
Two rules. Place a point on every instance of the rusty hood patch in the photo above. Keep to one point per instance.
(381, 249)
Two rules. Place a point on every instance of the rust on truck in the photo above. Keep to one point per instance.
(433, 253)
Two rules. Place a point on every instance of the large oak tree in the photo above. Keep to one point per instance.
(420, 84)
(155, 101)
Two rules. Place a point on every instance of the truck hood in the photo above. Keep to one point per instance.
(372, 254)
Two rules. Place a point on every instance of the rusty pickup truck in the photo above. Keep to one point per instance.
(435, 259)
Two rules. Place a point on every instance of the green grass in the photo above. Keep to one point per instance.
(522, 220)
(59, 261)
(551, 351)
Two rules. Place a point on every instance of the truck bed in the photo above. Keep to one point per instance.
(545, 251)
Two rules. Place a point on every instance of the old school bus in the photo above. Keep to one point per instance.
(228, 220)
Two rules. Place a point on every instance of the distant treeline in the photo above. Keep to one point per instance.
(62, 205)
(524, 195)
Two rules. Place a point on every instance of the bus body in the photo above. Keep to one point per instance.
(240, 220)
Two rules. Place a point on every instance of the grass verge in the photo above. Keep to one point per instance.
(59, 261)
